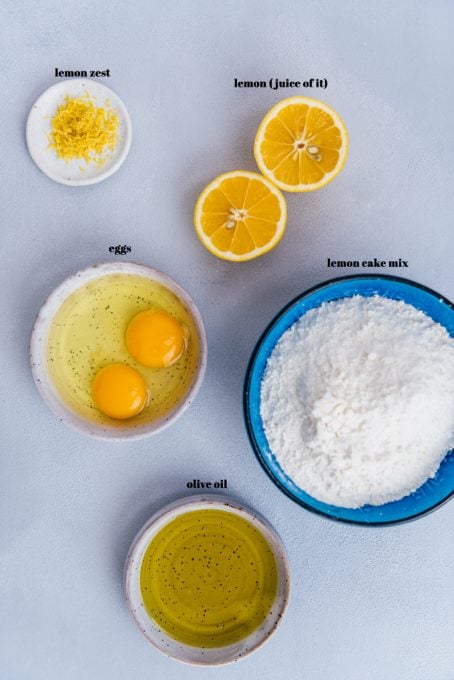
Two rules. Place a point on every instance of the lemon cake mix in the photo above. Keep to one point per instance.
(357, 400)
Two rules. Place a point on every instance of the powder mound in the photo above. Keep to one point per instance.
(357, 400)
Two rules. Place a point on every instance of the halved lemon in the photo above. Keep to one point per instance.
(240, 215)
(301, 144)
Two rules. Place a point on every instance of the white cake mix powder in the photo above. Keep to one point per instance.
(357, 400)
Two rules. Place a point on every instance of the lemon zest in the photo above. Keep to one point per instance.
(81, 130)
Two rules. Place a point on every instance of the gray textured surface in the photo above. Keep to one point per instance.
(375, 604)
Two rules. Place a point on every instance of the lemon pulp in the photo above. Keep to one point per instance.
(240, 215)
(208, 578)
(301, 144)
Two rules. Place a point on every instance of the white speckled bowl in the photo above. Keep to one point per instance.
(38, 347)
(160, 639)
(39, 128)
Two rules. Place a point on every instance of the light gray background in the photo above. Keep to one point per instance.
(366, 603)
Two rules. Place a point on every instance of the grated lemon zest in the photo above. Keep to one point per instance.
(81, 130)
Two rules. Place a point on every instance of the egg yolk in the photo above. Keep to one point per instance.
(119, 391)
(155, 338)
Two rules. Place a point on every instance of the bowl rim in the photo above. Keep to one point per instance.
(246, 391)
(38, 343)
(103, 174)
(167, 513)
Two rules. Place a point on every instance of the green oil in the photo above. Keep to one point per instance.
(208, 578)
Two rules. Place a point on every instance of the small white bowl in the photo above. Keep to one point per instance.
(158, 637)
(39, 128)
(38, 350)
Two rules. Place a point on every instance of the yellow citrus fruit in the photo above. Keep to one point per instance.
(301, 144)
(240, 215)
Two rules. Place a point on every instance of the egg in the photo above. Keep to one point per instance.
(88, 333)
(119, 391)
(155, 338)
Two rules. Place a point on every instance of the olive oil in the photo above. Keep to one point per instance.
(208, 578)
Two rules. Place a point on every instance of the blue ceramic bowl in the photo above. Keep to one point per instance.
(432, 493)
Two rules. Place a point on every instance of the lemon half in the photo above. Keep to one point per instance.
(301, 144)
(240, 215)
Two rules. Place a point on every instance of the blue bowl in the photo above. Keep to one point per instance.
(434, 491)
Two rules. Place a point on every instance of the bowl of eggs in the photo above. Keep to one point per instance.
(118, 351)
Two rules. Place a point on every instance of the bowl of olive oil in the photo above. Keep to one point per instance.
(207, 580)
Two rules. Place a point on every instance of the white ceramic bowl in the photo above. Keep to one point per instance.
(39, 127)
(159, 638)
(38, 349)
